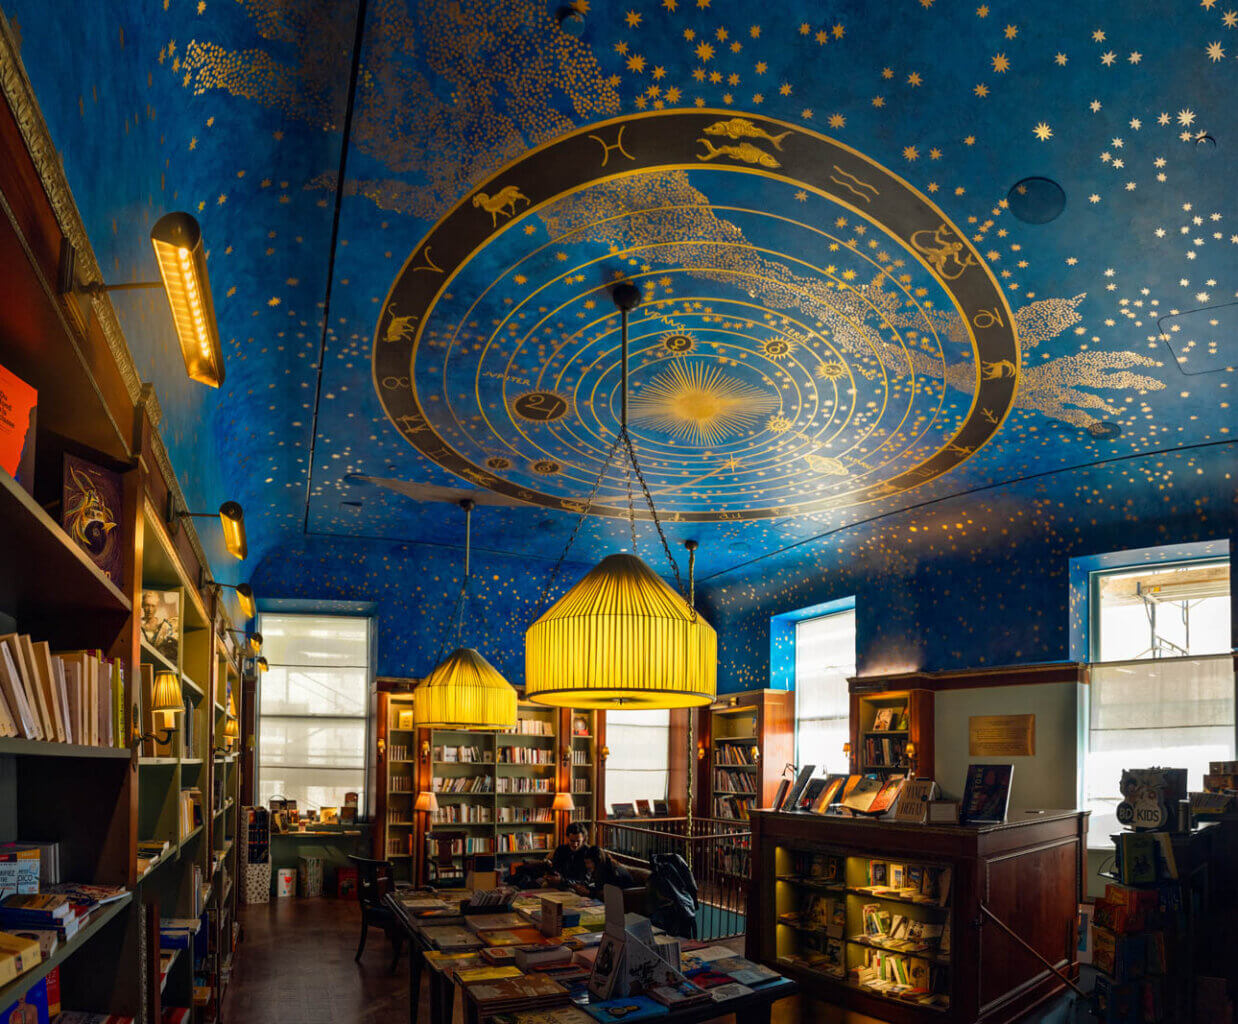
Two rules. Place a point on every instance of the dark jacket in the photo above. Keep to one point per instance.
(610, 872)
(569, 864)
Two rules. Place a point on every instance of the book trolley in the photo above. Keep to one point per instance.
(896, 920)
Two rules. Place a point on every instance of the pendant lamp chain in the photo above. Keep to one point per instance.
(457, 613)
(691, 545)
(626, 296)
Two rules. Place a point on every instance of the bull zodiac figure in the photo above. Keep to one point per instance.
(504, 202)
(400, 328)
(941, 252)
(995, 371)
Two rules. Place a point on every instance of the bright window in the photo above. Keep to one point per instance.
(824, 659)
(1162, 678)
(312, 712)
(637, 768)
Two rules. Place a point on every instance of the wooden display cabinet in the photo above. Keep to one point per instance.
(817, 920)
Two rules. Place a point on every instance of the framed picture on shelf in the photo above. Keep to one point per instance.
(986, 794)
(580, 725)
(161, 622)
(943, 812)
(661, 809)
(643, 810)
(623, 810)
(90, 506)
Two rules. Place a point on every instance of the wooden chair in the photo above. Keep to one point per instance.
(376, 878)
(446, 873)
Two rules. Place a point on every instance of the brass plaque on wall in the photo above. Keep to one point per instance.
(1001, 735)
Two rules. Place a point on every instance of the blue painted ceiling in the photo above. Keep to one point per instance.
(850, 305)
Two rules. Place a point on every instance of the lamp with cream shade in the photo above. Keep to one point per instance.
(166, 704)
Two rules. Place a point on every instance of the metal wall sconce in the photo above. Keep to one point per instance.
(425, 751)
(231, 518)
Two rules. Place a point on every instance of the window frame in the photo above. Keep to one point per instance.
(845, 717)
(368, 797)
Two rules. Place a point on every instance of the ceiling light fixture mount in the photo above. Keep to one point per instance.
(621, 637)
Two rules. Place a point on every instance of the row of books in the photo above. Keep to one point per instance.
(149, 851)
(885, 751)
(190, 810)
(460, 755)
(463, 784)
(397, 752)
(898, 976)
(456, 814)
(580, 758)
(525, 755)
(400, 784)
(903, 934)
(735, 807)
(524, 786)
(517, 814)
(920, 883)
(472, 844)
(64, 697)
(734, 782)
(580, 785)
(733, 754)
(510, 842)
(532, 727)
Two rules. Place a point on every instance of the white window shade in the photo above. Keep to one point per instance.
(824, 660)
(638, 765)
(1163, 712)
(312, 735)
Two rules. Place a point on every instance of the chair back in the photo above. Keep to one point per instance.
(375, 878)
(444, 868)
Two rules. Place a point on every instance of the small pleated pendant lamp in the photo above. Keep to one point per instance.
(464, 691)
(621, 638)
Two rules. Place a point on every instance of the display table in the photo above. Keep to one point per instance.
(898, 920)
(332, 844)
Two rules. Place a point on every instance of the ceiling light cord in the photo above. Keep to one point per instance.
(626, 296)
(456, 619)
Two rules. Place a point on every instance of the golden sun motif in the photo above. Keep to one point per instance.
(697, 402)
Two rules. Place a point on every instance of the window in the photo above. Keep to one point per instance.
(1162, 680)
(637, 768)
(312, 713)
(824, 659)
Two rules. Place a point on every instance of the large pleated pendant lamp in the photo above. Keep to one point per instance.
(621, 637)
(464, 691)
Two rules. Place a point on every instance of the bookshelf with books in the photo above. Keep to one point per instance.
(891, 727)
(886, 918)
(583, 740)
(86, 534)
(749, 738)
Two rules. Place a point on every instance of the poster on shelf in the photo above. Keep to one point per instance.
(90, 506)
(18, 405)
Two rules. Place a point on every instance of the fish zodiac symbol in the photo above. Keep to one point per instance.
(995, 371)
(745, 151)
(504, 201)
(941, 252)
(741, 128)
(400, 328)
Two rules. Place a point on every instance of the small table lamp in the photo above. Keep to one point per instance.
(165, 703)
(426, 801)
(563, 804)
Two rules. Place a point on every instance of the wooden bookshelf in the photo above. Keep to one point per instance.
(495, 788)
(98, 801)
(749, 738)
(888, 721)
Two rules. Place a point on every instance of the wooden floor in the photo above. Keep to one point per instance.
(295, 963)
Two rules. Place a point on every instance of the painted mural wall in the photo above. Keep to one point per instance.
(981, 579)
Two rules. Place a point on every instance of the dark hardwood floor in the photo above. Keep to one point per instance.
(295, 964)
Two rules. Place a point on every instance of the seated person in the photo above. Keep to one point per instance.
(602, 870)
(567, 864)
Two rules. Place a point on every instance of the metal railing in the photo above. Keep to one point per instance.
(719, 851)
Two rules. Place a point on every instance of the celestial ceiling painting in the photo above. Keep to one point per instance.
(888, 255)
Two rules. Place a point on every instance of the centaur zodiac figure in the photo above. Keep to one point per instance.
(504, 202)
(941, 252)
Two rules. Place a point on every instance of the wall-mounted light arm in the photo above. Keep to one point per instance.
(177, 239)
(253, 641)
(166, 702)
(244, 597)
(231, 518)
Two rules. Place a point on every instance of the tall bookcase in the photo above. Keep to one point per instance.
(748, 739)
(98, 801)
(494, 789)
(891, 728)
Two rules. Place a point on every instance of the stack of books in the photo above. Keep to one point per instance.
(40, 911)
(149, 851)
(516, 994)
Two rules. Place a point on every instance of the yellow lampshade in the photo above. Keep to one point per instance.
(231, 729)
(166, 697)
(177, 239)
(621, 638)
(232, 519)
(563, 802)
(464, 692)
(426, 801)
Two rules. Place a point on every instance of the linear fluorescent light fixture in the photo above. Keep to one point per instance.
(177, 238)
